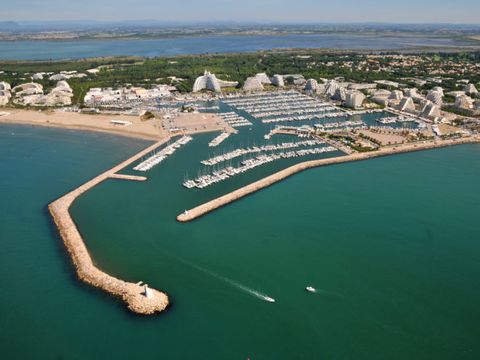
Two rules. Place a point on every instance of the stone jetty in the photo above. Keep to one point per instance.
(128, 177)
(212, 205)
(139, 297)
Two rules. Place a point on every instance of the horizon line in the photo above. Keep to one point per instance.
(239, 22)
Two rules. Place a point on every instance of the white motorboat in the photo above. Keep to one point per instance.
(310, 289)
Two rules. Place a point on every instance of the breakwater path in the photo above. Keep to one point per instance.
(212, 205)
(138, 297)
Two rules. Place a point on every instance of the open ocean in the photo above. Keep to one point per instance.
(391, 244)
(46, 50)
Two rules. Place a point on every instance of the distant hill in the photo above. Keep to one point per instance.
(9, 26)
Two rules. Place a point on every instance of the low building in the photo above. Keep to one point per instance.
(387, 83)
(33, 95)
(454, 94)
(31, 88)
(363, 86)
(420, 82)
(124, 97)
(464, 102)
(37, 76)
(57, 77)
(66, 75)
(297, 79)
(381, 96)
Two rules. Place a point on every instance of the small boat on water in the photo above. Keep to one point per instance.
(269, 299)
(310, 289)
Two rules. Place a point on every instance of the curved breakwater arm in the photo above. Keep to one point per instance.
(139, 298)
(212, 205)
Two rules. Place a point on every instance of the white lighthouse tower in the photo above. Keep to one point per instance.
(147, 292)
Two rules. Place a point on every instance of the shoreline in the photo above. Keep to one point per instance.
(212, 205)
(145, 130)
(138, 299)
(467, 44)
(80, 128)
(83, 122)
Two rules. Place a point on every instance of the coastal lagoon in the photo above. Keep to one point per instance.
(390, 244)
(75, 49)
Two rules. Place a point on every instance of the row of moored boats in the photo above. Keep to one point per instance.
(235, 120)
(283, 106)
(249, 164)
(161, 155)
(256, 149)
(219, 139)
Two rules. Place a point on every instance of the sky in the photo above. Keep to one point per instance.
(295, 11)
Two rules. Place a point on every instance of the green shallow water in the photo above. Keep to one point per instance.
(391, 244)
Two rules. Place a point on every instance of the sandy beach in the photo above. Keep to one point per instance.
(150, 129)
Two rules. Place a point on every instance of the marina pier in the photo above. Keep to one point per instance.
(128, 177)
(212, 205)
(139, 297)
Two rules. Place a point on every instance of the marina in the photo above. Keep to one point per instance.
(397, 119)
(161, 155)
(289, 106)
(235, 120)
(349, 124)
(240, 180)
(246, 165)
(201, 210)
(219, 139)
(272, 107)
(315, 117)
(256, 149)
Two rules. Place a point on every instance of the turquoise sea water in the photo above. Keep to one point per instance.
(45, 50)
(391, 244)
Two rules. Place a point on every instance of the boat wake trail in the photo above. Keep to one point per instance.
(231, 282)
(244, 288)
(327, 293)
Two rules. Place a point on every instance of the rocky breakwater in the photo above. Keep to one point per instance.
(212, 205)
(139, 298)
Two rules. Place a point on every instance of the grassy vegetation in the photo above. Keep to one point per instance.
(235, 67)
(458, 111)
